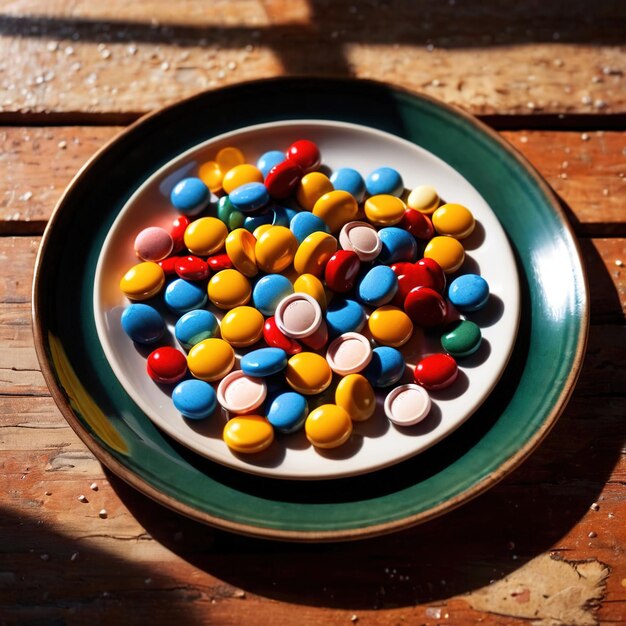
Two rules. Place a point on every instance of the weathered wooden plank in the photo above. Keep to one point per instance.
(500, 58)
(585, 169)
(37, 164)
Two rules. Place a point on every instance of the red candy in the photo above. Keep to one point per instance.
(436, 371)
(318, 339)
(425, 307)
(179, 226)
(282, 179)
(169, 265)
(219, 262)
(192, 268)
(166, 365)
(424, 273)
(306, 154)
(342, 270)
(276, 339)
(418, 224)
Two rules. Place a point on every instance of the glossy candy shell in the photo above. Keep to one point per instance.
(195, 399)
(436, 371)
(367, 512)
(166, 365)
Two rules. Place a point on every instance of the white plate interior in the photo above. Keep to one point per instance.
(375, 443)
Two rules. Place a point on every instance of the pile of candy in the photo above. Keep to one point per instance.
(320, 259)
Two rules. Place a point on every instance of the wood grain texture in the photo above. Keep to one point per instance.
(499, 57)
(589, 174)
(74, 564)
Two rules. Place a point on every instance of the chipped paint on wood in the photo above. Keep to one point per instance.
(548, 590)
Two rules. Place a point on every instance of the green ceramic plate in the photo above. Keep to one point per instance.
(509, 425)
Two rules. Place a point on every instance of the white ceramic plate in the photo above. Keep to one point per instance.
(375, 443)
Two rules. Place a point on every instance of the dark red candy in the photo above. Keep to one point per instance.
(179, 226)
(166, 365)
(436, 371)
(424, 273)
(342, 270)
(169, 265)
(192, 268)
(318, 339)
(418, 224)
(219, 262)
(433, 276)
(305, 153)
(276, 339)
(282, 179)
(426, 307)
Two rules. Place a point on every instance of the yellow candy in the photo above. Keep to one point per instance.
(211, 359)
(242, 326)
(336, 208)
(275, 249)
(228, 289)
(356, 396)
(384, 210)
(312, 186)
(328, 426)
(248, 434)
(390, 326)
(142, 281)
(447, 251)
(240, 249)
(311, 285)
(229, 157)
(259, 230)
(205, 236)
(240, 175)
(308, 373)
(424, 199)
(454, 220)
(211, 175)
(313, 253)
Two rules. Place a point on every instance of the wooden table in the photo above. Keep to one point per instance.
(548, 544)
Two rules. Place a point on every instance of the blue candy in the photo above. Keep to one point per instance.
(348, 179)
(286, 411)
(250, 197)
(305, 223)
(142, 323)
(280, 216)
(263, 362)
(378, 286)
(398, 245)
(384, 180)
(195, 399)
(252, 222)
(268, 159)
(385, 368)
(190, 196)
(344, 316)
(182, 296)
(468, 292)
(195, 326)
(269, 291)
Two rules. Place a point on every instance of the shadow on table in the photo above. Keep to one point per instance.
(486, 539)
(312, 36)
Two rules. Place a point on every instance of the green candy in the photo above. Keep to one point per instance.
(227, 212)
(461, 338)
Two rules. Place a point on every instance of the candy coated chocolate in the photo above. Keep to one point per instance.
(166, 365)
(426, 307)
(342, 270)
(436, 371)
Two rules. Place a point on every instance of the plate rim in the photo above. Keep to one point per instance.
(119, 469)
